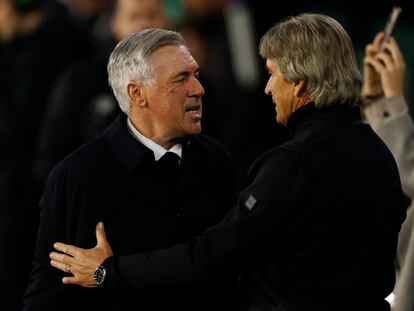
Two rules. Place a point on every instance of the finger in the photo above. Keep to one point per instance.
(368, 60)
(371, 50)
(376, 64)
(62, 258)
(100, 234)
(67, 249)
(378, 39)
(76, 281)
(393, 57)
(69, 280)
(59, 265)
(395, 51)
(386, 59)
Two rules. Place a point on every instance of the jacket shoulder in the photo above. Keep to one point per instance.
(85, 156)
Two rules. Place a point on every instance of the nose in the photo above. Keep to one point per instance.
(196, 88)
(267, 89)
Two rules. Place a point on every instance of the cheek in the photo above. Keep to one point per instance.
(277, 88)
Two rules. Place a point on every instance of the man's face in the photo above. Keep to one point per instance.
(134, 15)
(282, 93)
(174, 99)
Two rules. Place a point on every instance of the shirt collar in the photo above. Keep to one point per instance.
(158, 150)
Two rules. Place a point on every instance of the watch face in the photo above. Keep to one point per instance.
(99, 275)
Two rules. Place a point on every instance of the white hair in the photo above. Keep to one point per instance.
(315, 48)
(130, 60)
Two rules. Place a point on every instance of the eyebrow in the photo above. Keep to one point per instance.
(182, 74)
(185, 73)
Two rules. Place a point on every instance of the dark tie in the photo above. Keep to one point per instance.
(170, 164)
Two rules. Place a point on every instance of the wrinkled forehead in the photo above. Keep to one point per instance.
(172, 57)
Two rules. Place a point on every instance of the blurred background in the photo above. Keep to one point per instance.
(54, 94)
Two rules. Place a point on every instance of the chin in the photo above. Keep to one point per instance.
(278, 120)
(193, 130)
(281, 121)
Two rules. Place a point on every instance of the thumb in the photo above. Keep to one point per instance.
(100, 234)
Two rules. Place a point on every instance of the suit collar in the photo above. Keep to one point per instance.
(128, 150)
(335, 113)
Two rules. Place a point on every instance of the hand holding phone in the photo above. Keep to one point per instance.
(390, 26)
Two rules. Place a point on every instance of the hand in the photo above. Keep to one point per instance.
(372, 81)
(383, 71)
(81, 262)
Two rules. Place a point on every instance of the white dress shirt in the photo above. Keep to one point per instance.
(158, 150)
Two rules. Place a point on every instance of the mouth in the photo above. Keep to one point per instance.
(192, 108)
(194, 111)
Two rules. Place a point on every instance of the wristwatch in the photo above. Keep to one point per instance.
(99, 275)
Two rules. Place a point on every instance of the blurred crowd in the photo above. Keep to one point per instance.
(54, 94)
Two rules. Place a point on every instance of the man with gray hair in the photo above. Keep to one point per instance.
(151, 177)
(316, 227)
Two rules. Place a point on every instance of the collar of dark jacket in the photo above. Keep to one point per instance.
(332, 113)
(128, 150)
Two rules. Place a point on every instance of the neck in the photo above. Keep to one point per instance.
(147, 129)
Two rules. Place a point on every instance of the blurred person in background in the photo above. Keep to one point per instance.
(90, 14)
(38, 40)
(386, 110)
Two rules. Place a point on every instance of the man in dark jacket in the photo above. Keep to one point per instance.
(316, 227)
(150, 177)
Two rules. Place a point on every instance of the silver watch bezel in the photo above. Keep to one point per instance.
(99, 275)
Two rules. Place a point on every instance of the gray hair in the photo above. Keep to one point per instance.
(130, 60)
(315, 48)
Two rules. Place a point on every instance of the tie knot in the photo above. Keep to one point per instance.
(171, 157)
(169, 164)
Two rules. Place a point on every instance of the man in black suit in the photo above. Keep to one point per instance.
(316, 227)
(151, 177)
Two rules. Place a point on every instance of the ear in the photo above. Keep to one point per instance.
(136, 93)
(299, 88)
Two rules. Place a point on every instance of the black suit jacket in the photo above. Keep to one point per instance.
(115, 179)
(315, 228)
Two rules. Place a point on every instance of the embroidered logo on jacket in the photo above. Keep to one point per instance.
(250, 202)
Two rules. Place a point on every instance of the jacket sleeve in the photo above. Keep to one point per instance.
(265, 210)
(391, 120)
(45, 290)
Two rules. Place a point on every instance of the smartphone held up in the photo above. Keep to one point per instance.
(390, 26)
